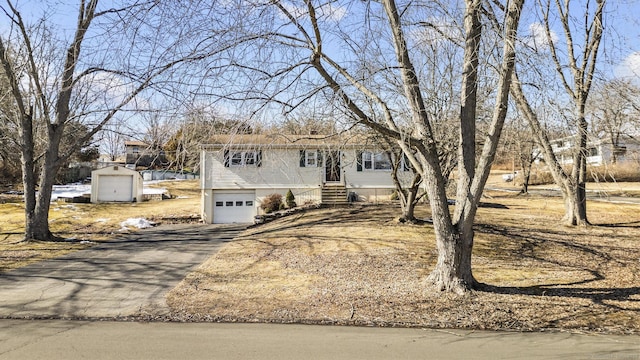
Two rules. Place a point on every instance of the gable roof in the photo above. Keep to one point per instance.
(135, 143)
(281, 141)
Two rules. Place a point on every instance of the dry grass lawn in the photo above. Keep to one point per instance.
(358, 266)
(84, 224)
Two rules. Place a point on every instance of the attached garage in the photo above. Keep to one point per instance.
(234, 206)
(116, 184)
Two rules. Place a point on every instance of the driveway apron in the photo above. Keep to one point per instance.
(126, 277)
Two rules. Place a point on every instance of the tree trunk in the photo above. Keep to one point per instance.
(453, 270)
(575, 205)
(28, 174)
(409, 204)
(37, 227)
(526, 177)
(453, 242)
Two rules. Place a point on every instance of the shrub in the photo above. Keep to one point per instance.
(290, 199)
(271, 203)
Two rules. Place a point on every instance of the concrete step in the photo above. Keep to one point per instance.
(334, 195)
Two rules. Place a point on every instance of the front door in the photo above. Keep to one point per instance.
(332, 167)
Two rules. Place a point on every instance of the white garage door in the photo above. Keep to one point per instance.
(239, 207)
(115, 188)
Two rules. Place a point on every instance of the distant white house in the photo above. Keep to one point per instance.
(599, 151)
(238, 171)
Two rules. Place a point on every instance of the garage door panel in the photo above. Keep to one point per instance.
(115, 188)
(233, 207)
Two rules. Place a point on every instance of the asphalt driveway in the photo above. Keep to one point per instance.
(126, 277)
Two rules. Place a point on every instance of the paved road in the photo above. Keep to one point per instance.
(43, 339)
(126, 277)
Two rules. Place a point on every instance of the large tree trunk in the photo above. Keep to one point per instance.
(28, 174)
(575, 203)
(452, 272)
(37, 227)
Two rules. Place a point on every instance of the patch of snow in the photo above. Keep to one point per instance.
(102, 220)
(140, 223)
(154, 190)
(69, 190)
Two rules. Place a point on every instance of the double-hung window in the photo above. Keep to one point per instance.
(237, 158)
(310, 158)
(379, 161)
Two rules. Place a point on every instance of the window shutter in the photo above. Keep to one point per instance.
(319, 160)
(226, 158)
(359, 161)
(302, 158)
(259, 158)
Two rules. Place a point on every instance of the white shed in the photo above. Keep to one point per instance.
(116, 184)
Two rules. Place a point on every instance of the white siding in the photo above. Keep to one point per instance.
(372, 179)
(280, 169)
(108, 184)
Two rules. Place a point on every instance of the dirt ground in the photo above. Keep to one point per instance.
(357, 266)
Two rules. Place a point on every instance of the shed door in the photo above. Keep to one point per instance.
(238, 207)
(115, 188)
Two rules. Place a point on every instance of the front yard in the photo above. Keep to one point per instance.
(357, 266)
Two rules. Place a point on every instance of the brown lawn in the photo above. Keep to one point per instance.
(358, 266)
(84, 224)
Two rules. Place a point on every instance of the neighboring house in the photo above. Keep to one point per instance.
(238, 171)
(106, 160)
(599, 151)
(140, 154)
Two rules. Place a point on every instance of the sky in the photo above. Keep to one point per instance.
(621, 46)
(620, 55)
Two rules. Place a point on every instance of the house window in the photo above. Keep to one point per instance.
(242, 158)
(619, 150)
(592, 151)
(310, 158)
(135, 150)
(236, 159)
(250, 158)
(376, 161)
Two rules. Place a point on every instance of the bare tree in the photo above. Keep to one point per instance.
(360, 60)
(615, 113)
(521, 149)
(112, 138)
(84, 82)
(575, 70)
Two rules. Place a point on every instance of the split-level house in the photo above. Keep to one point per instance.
(238, 171)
